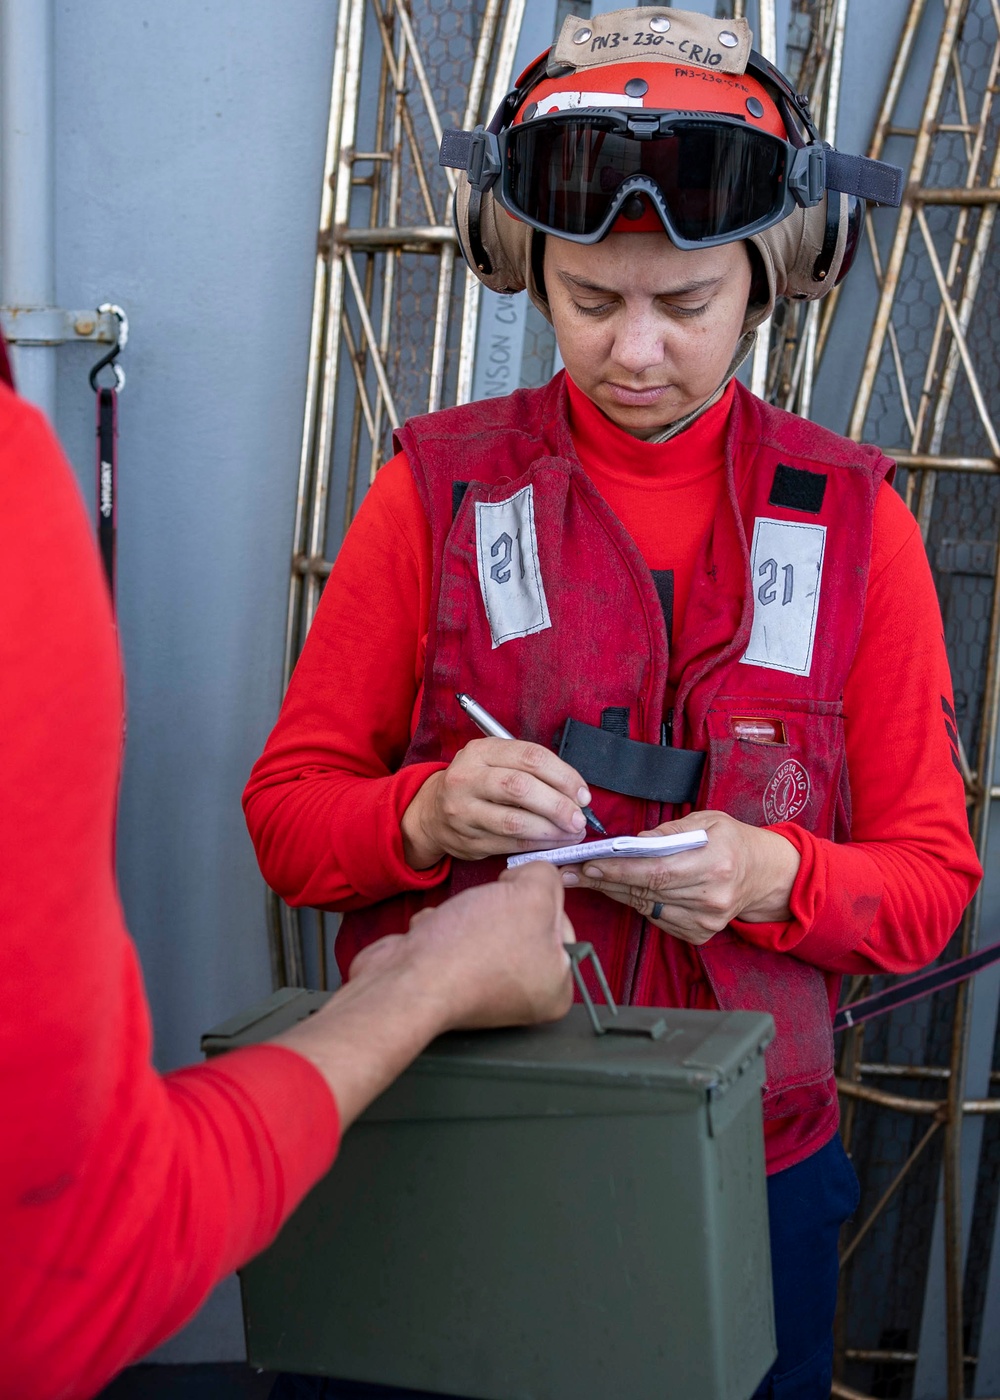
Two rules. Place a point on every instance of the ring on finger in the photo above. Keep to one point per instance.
(656, 911)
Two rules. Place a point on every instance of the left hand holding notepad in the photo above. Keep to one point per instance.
(741, 872)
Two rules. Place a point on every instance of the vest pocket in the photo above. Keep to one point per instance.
(792, 769)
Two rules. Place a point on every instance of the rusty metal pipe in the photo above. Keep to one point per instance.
(472, 293)
(927, 461)
(322, 464)
(958, 333)
(899, 1102)
(904, 1071)
(900, 65)
(365, 238)
(392, 261)
(888, 1193)
(844, 1392)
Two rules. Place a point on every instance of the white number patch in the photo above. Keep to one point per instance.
(786, 570)
(510, 575)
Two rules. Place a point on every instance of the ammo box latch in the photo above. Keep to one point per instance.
(611, 1019)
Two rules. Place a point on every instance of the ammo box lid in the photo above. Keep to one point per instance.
(699, 1052)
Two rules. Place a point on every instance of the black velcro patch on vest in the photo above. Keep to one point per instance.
(629, 766)
(614, 720)
(663, 582)
(797, 489)
(458, 490)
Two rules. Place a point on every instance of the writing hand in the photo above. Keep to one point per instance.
(496, 797)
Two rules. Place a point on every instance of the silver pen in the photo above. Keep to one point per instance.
(483, 720)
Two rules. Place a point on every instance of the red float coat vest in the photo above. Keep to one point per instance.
(781, 578)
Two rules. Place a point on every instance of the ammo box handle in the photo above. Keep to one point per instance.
(613, 1019)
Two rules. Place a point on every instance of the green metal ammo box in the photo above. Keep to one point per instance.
(543, 1214)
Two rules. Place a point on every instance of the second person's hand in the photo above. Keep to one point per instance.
(491, 956)
(496, 797)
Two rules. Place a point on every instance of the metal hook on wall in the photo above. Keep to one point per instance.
(109, 360)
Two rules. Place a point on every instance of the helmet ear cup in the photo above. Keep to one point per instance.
(761, 302)
(495, 245)
(502, 251)
(807, 254)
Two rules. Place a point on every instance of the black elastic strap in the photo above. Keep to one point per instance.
(107, 472)
(614, 720)
(458, 490)
(631, 767)
(663, 582)
(872, 180)
(831, 237)
(477, 248)
(455, 148)
(6, 374)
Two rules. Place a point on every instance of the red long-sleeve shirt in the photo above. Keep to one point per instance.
(124, 1196)
(325, 798)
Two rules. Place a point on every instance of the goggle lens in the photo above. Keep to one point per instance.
(715, 179)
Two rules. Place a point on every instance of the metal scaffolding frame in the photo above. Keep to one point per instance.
(788, 349)
(384, 211)
(394, 332)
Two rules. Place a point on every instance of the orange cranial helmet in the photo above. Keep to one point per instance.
(660, 120)
(661, 87)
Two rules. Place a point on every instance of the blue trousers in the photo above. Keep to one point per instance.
(807, 1204)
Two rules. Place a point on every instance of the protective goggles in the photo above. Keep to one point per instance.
(712, 179)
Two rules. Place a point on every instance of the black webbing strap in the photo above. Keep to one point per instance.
(458, 490)
(914, 988)
(663, 582)
(628, 766)
(872, 180)
(614, 720)
(455, 148)
(107, 472)
(474, 224)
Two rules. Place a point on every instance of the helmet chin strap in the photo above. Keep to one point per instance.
(744, 345)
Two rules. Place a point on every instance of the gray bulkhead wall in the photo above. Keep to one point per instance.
(189, 146)
(189, 156)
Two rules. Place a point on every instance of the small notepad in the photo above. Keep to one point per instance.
(616, 846)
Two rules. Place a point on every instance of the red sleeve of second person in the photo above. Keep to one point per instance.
(124, 1197)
